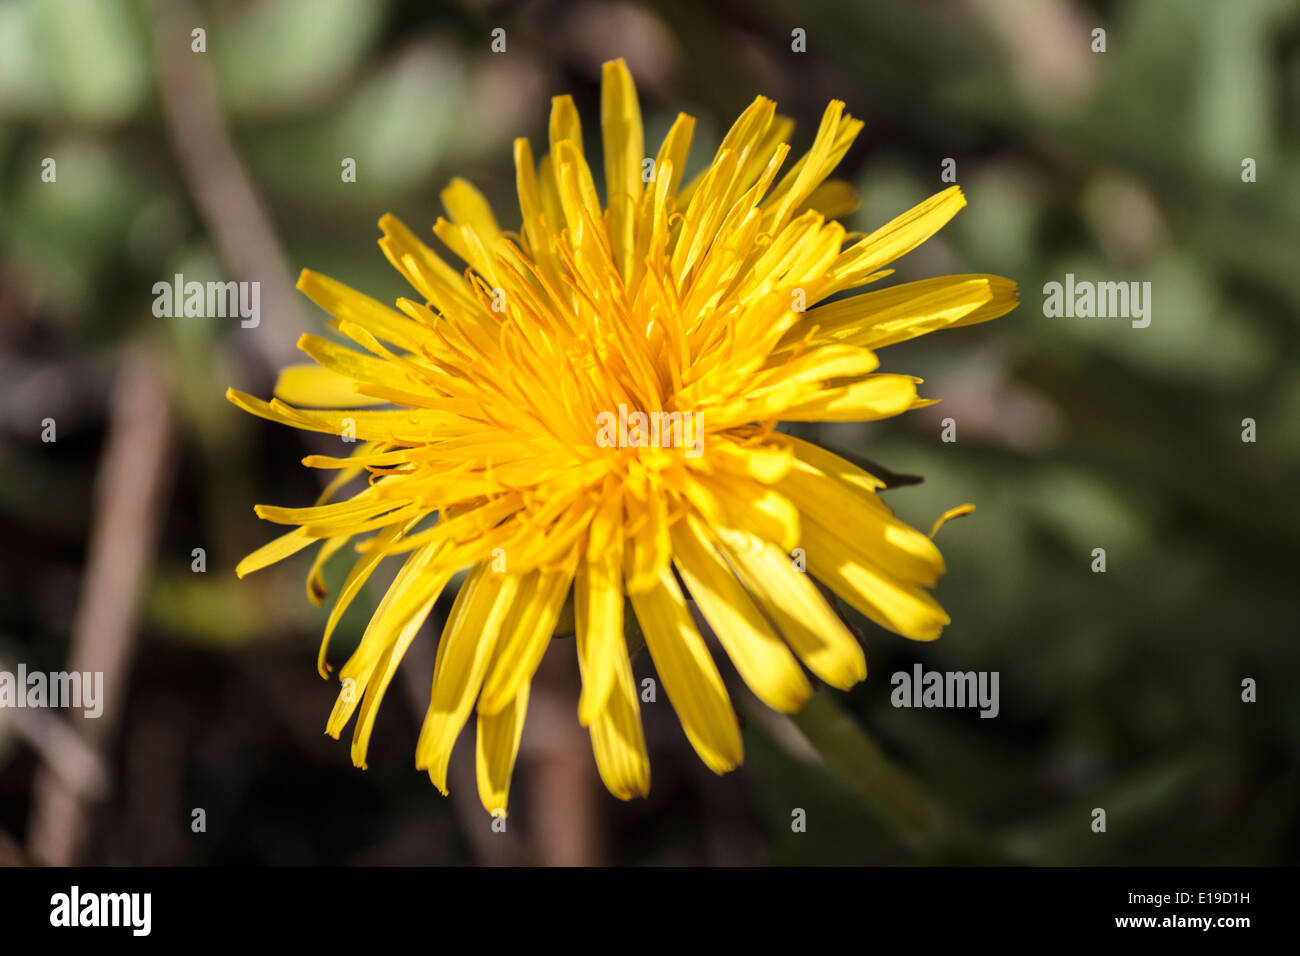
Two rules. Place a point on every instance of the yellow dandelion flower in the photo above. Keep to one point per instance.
(589, 409)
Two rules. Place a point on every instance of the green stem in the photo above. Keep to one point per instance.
(886, 790)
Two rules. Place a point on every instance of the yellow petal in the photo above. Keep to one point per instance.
(745, 141)
(898, 237)
(875, 591)
(274, 551)
(411, 594)
(906, 552)
(357, 366)
(836, 134)
(311, 385)
(760, 656)
(673, 152)
(525, 636)
(747, 504)
(689, 676)
(833, 199)
(617, 740)
(565, 125)
(468, 207)
(464, 654)
(875, 397)
(598, 604)
(537, 239)
(598, 614)
(350, 468)
(378, 679)
(797, 608)
(878, 319)
(468, 244)
(793, 384)
(960, 511)
(577, 191)
(496, 748)
(425, 270)
(352, 585)
(829, 463)
(349, 305)
(356, 509)
(316, 589)
(620, 123)
(650, 549)
(399, 426)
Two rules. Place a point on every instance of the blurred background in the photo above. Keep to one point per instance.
(1120, 690)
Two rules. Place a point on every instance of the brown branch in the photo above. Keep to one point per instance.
(562, 788)
(225, 197)
(60, 746)
(133, 475)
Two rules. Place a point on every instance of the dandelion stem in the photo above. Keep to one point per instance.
(889, 792)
